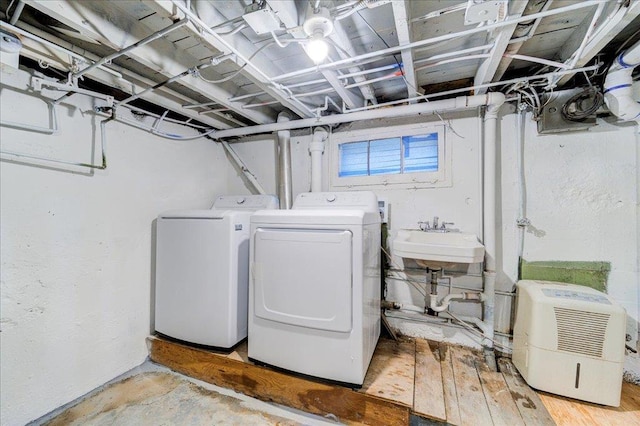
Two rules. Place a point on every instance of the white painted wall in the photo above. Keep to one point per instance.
(582, 203)
(76, 249)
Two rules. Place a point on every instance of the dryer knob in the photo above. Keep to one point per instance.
(331, 198)
(241, 200)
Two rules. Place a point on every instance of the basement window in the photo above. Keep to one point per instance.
(407, 157)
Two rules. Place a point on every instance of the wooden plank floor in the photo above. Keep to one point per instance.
(436, 381)
(570, 412)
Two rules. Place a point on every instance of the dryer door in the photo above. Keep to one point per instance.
(303, 277)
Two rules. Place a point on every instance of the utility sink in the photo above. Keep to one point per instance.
(438, 249)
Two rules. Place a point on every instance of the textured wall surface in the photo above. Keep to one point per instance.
(76, 249)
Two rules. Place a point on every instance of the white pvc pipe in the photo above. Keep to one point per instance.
(618, 89)
(446, 301)
(455, 104)
(316, 148)
(489, 216)
(285, 192)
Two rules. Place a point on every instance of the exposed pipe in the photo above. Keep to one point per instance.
(285, 191)
(446, 301)
(444, 37)
(618, 90)
(127, 49)
(489, 217)
(522, 220)
(17, 156)
(51, 130)
(245, 171)
(17, 12)
(316, 148)
(477, 86)
(455, 104)
(198, 23)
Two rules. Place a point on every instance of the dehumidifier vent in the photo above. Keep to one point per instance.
(581, 332)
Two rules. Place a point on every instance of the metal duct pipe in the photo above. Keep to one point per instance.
(285, 192)
(618, 90)
(456, 104)
(316, 148)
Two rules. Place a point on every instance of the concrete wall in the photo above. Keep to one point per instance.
(581, 201)
(76, 249)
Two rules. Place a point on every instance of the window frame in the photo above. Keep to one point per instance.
(439, 178)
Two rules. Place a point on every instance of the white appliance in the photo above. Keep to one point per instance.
(569, 340)
(202, 271)
(314, 292)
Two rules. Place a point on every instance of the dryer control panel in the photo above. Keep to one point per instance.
(362, 200)
(245, 202)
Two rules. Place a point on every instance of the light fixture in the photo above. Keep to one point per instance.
(317, 26)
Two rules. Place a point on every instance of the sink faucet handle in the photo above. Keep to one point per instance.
(424, 225)
(444, 224)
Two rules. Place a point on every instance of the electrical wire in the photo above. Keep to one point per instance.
(479, 333)
(416, 284)
(234, 74)
(574, 110)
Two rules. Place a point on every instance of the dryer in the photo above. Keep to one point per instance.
(202, 271)
(314, 292)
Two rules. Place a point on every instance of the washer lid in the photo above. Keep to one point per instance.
(310, 217)
(191, 214)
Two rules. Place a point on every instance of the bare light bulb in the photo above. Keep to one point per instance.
(317, 49)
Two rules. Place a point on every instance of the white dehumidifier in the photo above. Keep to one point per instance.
(569, 340)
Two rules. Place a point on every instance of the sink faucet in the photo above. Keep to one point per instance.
(435, 222)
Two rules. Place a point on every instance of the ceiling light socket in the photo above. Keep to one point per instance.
(318, 22)
(479, 11)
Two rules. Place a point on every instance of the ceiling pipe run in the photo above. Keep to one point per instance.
(456, 104)
(618, 85)
(285, 191)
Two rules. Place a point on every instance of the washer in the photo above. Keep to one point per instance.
(202, 271)
(314, 291)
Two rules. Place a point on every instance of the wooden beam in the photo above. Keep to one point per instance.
(274, 386)
(487, 70)
(258, 74)
(89, 19)
(606, 32)
(403, 30)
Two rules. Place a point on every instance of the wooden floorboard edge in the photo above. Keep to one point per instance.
(269, 385)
